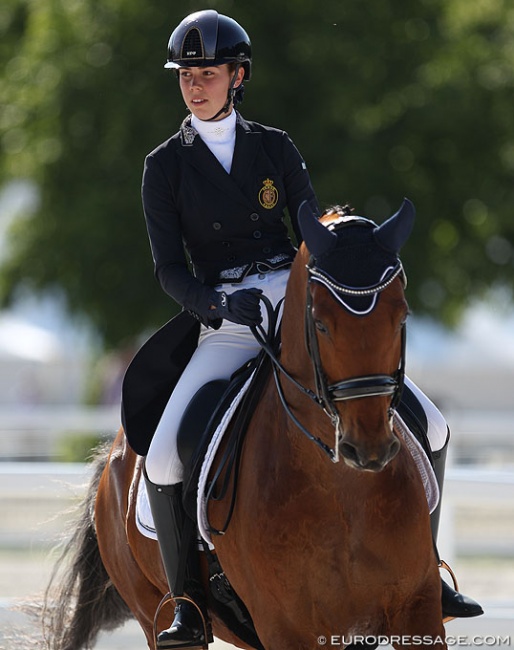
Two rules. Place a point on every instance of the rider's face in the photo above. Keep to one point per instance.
(205, 89)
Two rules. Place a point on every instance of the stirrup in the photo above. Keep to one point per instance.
(443, 565)
(168, 598)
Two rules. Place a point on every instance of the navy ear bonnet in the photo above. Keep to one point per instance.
(354, 252)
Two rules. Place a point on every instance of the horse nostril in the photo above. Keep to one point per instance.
(349, 452)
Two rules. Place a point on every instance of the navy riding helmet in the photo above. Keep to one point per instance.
(207, 38)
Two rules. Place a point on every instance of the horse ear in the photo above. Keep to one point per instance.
(394, 232)
(316, 236)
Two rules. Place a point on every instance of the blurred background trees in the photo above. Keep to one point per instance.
(384, 100)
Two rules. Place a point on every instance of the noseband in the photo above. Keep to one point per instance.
(326, 395)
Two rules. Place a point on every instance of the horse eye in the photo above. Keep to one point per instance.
(321, 327)
(403, 322)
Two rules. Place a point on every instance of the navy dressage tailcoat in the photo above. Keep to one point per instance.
(221, 223)
(207, 226)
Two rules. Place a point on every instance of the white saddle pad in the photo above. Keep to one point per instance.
(423, 464)
(203, 524)
(144, 519)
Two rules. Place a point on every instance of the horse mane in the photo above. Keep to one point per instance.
(340, 210)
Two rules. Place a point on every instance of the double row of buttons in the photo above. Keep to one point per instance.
(253, 217)
(257, 234)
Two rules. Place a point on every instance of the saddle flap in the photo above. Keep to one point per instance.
(196, 418)
(216, 409)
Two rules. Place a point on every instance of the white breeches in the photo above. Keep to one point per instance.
(219, 354)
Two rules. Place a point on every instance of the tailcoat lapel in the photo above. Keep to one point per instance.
(195, 152)
(246, 149)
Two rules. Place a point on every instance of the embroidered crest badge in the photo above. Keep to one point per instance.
(268, 195)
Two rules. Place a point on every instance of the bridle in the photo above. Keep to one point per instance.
(326, 395)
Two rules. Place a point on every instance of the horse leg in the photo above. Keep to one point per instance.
(276, 634)
(420, 623)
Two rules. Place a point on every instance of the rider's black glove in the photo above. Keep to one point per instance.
(242, 307)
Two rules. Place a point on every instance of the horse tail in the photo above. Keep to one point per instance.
(80, 600)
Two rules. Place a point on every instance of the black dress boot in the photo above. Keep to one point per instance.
(176, 534)
(187, 629)
(455, 604)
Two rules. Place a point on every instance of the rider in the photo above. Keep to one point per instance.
(214, 196)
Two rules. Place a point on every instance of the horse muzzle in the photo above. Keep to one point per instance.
(368, 457)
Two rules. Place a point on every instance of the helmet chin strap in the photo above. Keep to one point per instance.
(230, 96)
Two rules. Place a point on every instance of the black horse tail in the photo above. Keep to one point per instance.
(80, 600)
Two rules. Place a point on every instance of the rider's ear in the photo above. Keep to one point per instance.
(240, 77)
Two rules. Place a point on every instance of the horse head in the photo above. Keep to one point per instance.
(354, 312)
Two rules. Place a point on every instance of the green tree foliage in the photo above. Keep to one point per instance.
(384, 99)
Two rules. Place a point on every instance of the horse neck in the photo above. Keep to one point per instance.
(295, 358)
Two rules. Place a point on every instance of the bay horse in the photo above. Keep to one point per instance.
(320, 551)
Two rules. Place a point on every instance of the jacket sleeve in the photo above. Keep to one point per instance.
(298, 184)
(165, 234)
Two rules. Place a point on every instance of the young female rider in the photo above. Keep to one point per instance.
(214, 196)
